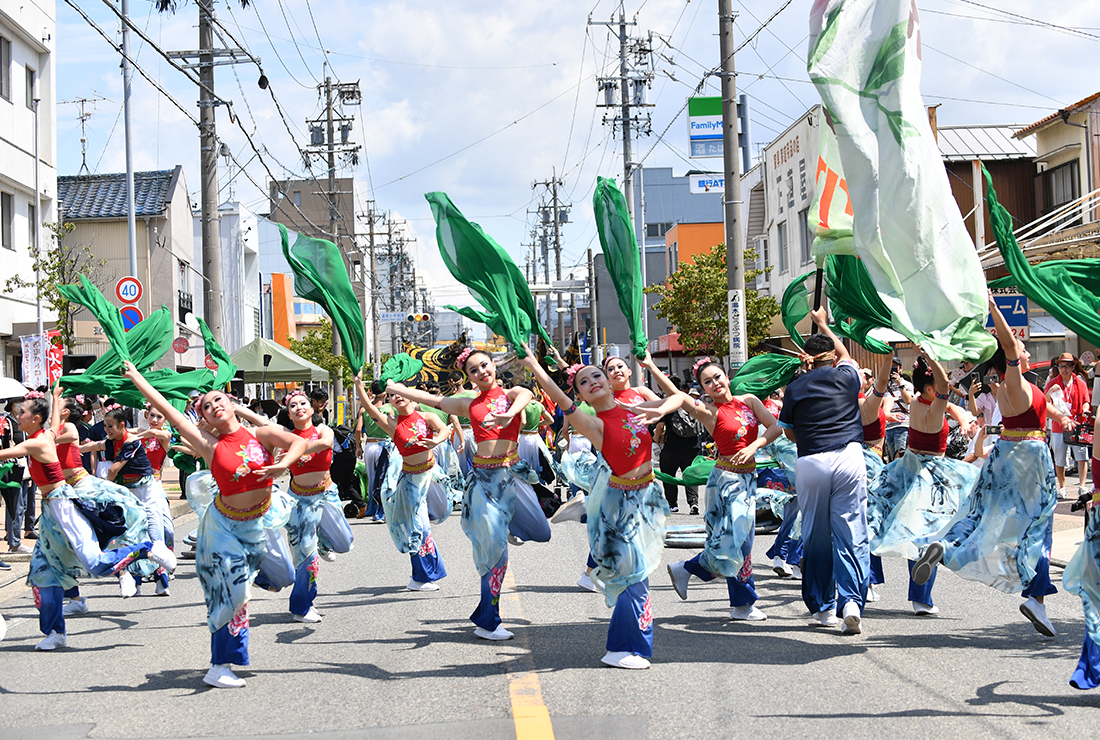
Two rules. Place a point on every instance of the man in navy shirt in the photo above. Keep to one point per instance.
(821, 416)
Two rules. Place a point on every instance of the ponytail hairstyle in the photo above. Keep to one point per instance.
(998, 361)
(702, 365)
(38, 404)
(74, 407)
(922, 375)
(119, 415)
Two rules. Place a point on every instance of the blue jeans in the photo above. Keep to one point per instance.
(15, 503)
(897, 439)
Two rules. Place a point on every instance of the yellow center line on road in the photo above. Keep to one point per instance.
(529, 712)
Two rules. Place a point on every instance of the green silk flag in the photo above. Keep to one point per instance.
(830, 217)
(795, 305)
(864, 59)
(1084, 272)
(399, 368)
(1051, 286)
(856, 306)
(698, 472)
(321, 276)
(106, 314)
(621, 253)
(764, 374)
(489, 272)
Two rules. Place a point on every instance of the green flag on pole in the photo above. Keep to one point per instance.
(620, 249)
(321, 276)
(489, 272)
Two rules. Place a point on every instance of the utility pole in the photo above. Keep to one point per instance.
(372, 217)
(552, 215)
(593, 312)
(627, 92)
(127, 76)
(735, 249)
(323, 144)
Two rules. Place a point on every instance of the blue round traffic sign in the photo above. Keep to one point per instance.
(131, 317)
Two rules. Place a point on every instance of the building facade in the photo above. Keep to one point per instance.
(26, 74)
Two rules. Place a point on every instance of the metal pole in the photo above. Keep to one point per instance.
(37, 221)
(208, 150)
(593, 313)
(373, 292)
(628, 167)
(735, 249)
(127, 75)
(557, 257)
(338, 386)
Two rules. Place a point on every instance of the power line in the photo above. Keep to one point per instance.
(1033, 21)
(991, 74)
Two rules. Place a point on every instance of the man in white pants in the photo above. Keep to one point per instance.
(821, 416)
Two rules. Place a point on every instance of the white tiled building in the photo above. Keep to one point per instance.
(26, 73)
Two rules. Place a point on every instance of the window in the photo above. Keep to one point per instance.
(257, 321)
(1060, 185)
(805, 236)
(781, 247)
(7, 215)
(298, 197)
(673, 257)
(30, 88)
(5, 68)
(763, 249)
(32, 222)
(656, 231)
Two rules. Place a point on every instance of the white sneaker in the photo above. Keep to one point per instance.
(922, 569)
(328, 556)
(415, 585)
(498, 634)
(625, 660)
(748, 614)
(162, 590)
(222, 677)
(162, 556)
(872, 595)
(1037, 613)
(924, 610)
(585, 582)
(680, 577)
(852, 619)
(571, 511)
(827, 618)
(54, 641)
(1062, 495)
(127, 586)
(796, 572)
(72, 607)
(513, 540)
(781, 568)
(310, 617)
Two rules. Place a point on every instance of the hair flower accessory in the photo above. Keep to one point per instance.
(292, 394)
(463, 356)
(699, 364)
(571, 373)
(34, 394)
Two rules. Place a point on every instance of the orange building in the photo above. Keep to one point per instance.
(684, 241)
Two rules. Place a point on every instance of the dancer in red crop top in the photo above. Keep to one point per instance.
(626, 507)
(873, 418)
(730, 515)
(231, 540)
(500, 506)
(409, 483)
(309, 482)
(1008, 517)
(67, 545)
(917, 494)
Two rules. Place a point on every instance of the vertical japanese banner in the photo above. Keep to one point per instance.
(54, 355)
(34, 361)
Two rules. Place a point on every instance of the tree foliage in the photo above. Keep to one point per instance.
(694, 301)
(60, 264)
(316, 346)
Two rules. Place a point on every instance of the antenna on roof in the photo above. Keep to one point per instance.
(85, 114)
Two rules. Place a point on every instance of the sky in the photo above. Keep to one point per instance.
(481, 99)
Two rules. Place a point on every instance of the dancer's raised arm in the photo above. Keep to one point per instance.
(201, 441)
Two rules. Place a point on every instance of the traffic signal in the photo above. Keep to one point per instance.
(419, 317)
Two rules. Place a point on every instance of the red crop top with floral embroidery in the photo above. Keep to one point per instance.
(68, 455)
(735, 428)
(626, 441)
(494, 401)
(628, 396)
(317, 462)
(411, 429)
(155, 451)
(45, 474)
(236, 459)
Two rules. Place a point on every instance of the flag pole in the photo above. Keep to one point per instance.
(817, 296)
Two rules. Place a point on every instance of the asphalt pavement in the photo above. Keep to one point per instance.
(390, 663)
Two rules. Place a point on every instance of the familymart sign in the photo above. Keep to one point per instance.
(705, 126)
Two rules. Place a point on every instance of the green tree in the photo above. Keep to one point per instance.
(694, 301)
(316, 346)
(60, 264)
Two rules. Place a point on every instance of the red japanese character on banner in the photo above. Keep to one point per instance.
(54, 354)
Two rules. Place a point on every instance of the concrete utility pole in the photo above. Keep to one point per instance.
(372, 283)
(127, 75)
(208, 160)
(593, 312)
(631, 85)
(553, 215)
(735, 248)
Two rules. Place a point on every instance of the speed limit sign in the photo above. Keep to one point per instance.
(128, 289)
